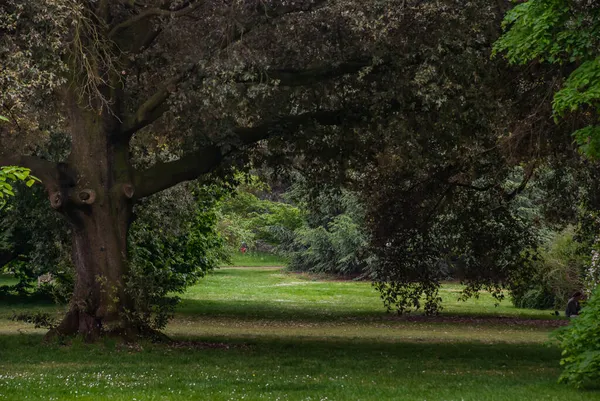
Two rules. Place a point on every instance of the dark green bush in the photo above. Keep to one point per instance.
(172, 244)
(554, 276)
(535, 298)
(333, 239)
(340, 248)
(580, 342)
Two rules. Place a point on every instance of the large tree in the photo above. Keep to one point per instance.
(157, 92)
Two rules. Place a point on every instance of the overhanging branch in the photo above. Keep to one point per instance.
(46, 171)
(268, 15)
(154, 12)
(291, 77)
(153, 108)
(165, 175)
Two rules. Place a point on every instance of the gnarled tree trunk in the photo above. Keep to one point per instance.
(95, 194)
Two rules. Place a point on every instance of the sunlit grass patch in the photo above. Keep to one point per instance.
(277, 294)
(255, 259)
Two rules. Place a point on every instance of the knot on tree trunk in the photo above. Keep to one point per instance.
(128, 190)
(86, 196)
(56, 200)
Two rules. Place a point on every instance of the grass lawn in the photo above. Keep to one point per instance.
(7, 279)
(255, 259)
(263, 334)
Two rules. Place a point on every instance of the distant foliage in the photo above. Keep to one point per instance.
(333, 238)
(247, 215)
(580, 342)
(557, 273)
(340, 248)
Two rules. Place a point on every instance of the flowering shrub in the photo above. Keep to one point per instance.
(591, 277)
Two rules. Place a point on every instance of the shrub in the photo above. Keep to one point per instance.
(535, 298)
(555, 275)
(173, 243)
(261, 223)
(340, 248)
(580, 342)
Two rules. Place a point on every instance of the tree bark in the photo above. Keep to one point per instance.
(95, 196)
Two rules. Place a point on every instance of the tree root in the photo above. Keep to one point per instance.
(78, 323)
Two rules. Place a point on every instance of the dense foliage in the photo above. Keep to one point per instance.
(248, 215)
(580, 342)
(566, 33)
(333, 238)
(170, 249)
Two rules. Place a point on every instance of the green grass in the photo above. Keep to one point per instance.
(276, 294)
(7, 279)
(263, 334)
(255, 259)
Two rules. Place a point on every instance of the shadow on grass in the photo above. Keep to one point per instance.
(259, 310)
(293, 368)
(11, 299)
(29, 349)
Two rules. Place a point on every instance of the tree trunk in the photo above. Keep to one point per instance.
(96, 197)
(99, 301)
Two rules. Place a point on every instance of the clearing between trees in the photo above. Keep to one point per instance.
(267, 334)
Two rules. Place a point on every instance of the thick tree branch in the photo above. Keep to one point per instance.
(165, 175)
(289, 77)
(153, 108)
(506, 196)
(268, 15)
(46, 171)
(154, 12)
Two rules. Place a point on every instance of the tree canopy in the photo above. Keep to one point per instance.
(565, 33)
(398, 98)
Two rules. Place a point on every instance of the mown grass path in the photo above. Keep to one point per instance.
(262, 334)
